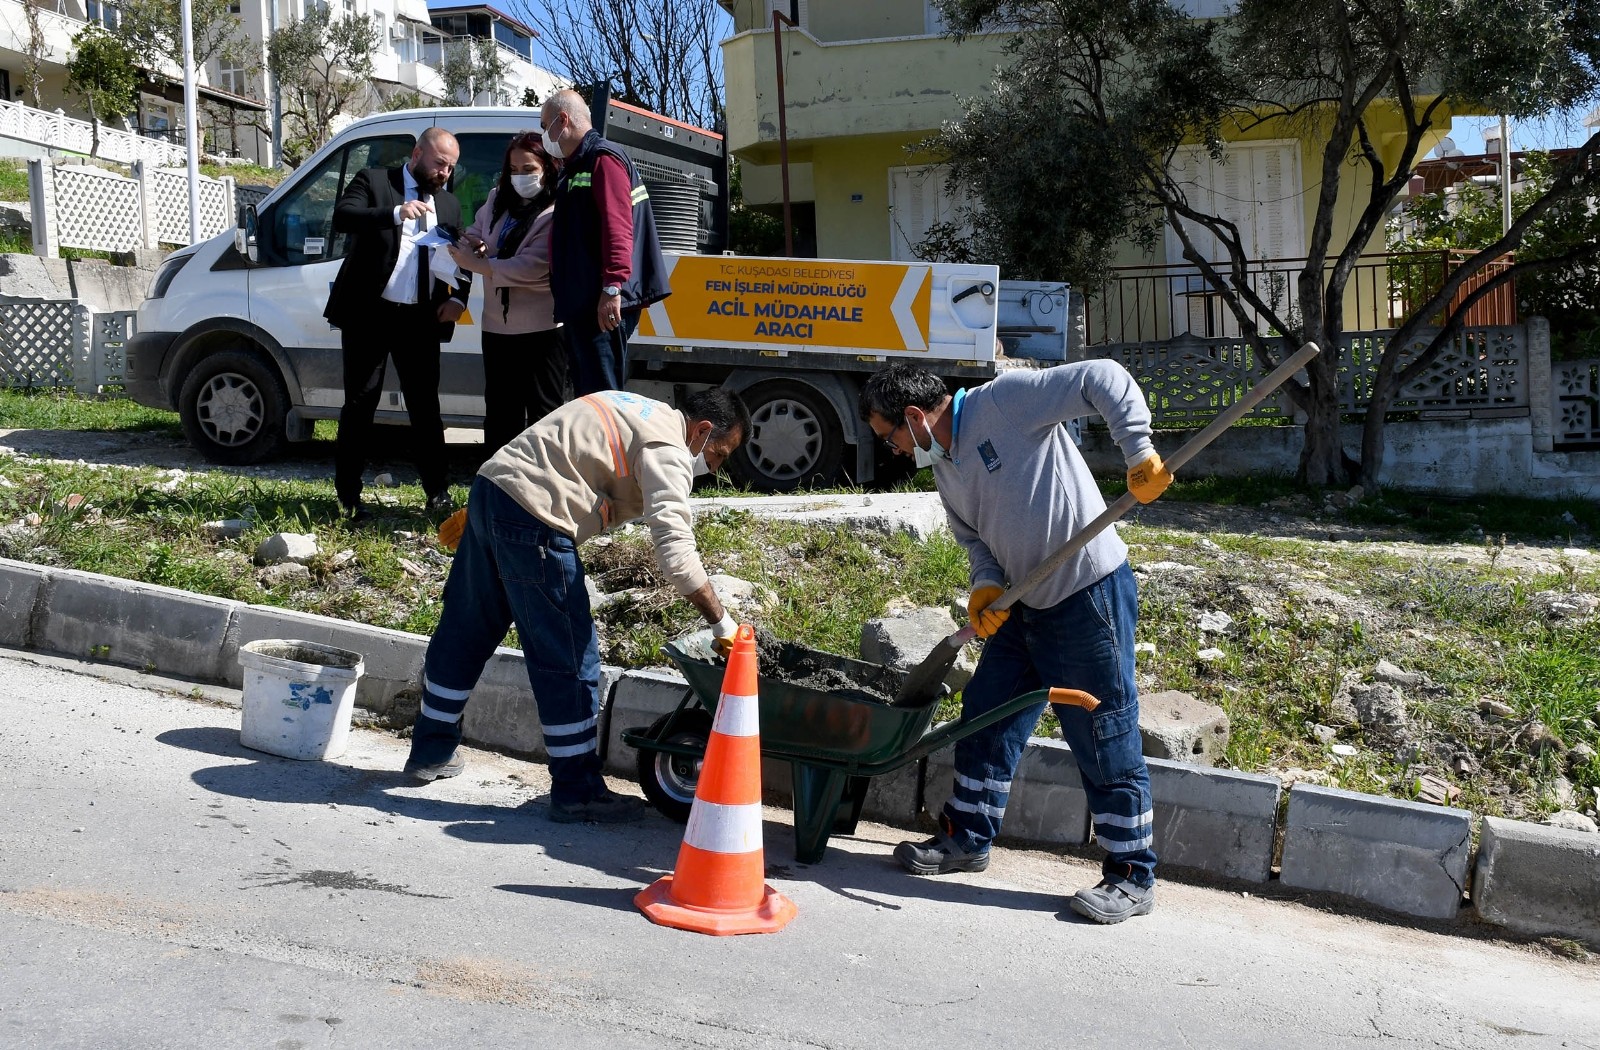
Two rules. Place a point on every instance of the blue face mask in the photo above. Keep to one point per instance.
(926, 457)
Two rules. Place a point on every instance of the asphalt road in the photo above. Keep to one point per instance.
(162, 886)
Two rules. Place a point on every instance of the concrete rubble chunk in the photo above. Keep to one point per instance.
(289, 572)
(1572, 821)
(1379, 706)
(1404, 856)
(1174, 725)
(1565, 605)
(286, 546)
(1539, 880)
(1388, 672)
(1215, 622)
(741, 597)
(226, 529)
(902, 642)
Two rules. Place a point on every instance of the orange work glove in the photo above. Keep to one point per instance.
(1148, 478)
(451, 528)
(984, 620)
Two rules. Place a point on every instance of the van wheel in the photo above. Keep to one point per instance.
(233, 405)
(795, 437)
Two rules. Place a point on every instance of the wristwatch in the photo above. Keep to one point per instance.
(611, 289)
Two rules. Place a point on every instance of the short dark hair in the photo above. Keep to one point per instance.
(890, 392)
(723, 408)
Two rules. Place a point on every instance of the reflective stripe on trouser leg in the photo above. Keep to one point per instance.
(986, 760)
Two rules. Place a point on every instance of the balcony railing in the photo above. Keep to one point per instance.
(1151, 303)
(59, 131)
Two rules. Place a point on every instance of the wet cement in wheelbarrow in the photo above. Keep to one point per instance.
(782, 661)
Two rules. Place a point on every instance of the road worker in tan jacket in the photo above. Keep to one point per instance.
(596, 462)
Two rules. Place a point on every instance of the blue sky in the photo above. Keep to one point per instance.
(1552, 131)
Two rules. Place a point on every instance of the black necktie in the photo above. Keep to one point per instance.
(424, 284)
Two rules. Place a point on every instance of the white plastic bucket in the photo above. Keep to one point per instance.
(298, 697)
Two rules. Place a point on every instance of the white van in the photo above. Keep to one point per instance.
(232, 334)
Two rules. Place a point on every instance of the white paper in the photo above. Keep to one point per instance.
(441, 264)
(432, 239)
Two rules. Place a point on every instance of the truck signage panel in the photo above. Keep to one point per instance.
(813, 304)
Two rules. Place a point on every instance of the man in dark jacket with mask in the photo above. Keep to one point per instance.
(605, 259)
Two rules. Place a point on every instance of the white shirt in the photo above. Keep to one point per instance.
(402, 286)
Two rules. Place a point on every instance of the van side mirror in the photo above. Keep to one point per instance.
(244, 236)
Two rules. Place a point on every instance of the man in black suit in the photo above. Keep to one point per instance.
(386, 303)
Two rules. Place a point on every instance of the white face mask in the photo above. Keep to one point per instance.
(551, 146)
(701, 467)
(527, 186)
(926, 457)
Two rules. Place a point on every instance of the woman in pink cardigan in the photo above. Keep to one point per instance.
(524, 362)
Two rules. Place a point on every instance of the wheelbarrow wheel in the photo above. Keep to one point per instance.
(669, 780)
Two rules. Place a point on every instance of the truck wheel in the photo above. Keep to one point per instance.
(233, 405)
(794, 438)
(669, 780)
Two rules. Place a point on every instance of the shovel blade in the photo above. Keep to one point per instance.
(925, 682)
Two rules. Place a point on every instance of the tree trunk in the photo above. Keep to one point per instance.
(1323, 462)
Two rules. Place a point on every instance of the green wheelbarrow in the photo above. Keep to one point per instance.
(834, 741)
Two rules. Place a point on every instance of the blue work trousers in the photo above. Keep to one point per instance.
(1083, 642)
(598, 360)
(513, 568)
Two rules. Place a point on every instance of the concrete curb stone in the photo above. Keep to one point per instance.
(1538, 880)
(136, 625)
(19, 594)
(1404, 856)
(1216, 820)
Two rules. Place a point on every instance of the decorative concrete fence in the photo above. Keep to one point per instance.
(60, 343)
(83, 206)
(58, 131)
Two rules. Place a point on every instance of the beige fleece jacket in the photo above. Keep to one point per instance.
(602, 460)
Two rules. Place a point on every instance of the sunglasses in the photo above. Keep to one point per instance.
(888, 439)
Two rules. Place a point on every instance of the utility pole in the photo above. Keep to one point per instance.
(191, 123)
(274, 92)
(1505, 175)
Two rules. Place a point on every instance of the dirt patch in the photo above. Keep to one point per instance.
(822, 672)
(101, 911)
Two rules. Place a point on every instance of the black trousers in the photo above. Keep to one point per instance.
(524, 378)
(409, 334)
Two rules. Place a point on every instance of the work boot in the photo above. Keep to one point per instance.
(450, 766)
(434, 753)
(602, 807)
(940, 855)
(1113, 900)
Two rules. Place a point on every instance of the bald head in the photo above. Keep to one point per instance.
(434, 159)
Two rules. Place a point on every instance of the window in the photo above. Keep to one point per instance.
(918, 198)
(303, 217)
(783, 5)
(1255, 186)
(234, 7)
(233, 78)
(107, 14)
(478, 170)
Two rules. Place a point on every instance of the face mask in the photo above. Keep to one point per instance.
(527, 186)
(701, 467)
(926, 457)
(551, 146)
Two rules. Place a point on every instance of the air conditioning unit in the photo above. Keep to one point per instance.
(399, 32)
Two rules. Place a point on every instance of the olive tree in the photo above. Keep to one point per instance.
(1072, 150)
(101, 72)
(323, 65)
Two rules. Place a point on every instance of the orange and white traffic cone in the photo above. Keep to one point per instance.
(719, 886)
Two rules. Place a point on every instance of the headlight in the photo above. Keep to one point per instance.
(169, 269)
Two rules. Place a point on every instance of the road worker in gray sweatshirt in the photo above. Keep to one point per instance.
(1015, 489)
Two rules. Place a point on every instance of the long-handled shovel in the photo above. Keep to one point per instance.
(922, 684)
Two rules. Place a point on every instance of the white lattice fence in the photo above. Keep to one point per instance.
(41, 341)
(1483, 373)
(169, 188)
(59, 131)
(83, 206)
(90, 207)
(1576, 387)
